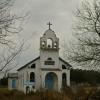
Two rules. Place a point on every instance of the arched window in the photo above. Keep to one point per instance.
(64, 80)
(63, 67)
(33, 66)
(49, 59)
(49, 43)
(32, 77)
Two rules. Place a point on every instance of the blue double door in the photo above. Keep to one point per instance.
(51, 81)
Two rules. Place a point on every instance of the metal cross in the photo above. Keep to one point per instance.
(49, 25)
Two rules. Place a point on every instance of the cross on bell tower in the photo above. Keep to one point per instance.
(49, 24)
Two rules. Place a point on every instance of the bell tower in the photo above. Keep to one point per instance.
(49, 49)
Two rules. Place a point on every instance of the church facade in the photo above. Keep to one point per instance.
(48, 71)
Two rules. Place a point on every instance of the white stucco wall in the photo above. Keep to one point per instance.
(24, 76)
(67, 71)
(44, 55)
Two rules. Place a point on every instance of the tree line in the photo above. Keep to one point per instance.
(85, 76)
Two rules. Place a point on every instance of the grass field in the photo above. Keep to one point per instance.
(68, 94)
(5, 94)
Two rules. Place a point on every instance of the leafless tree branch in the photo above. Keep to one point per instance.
(86, 51)
(7, 30)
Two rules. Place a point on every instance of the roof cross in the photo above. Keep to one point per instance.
(49, 24)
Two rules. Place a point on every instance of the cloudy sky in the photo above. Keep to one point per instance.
(39, 12)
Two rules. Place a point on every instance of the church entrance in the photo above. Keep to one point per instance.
(51, 81)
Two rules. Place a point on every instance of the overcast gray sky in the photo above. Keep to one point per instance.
(59, 12)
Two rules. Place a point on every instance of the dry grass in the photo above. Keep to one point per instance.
(82, 92)
(17, 95)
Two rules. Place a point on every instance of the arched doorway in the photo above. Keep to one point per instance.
(51, 81)
(64, 84)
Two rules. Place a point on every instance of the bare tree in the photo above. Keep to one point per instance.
(86, 50)
(7, 21)
(8, 48)
(9, 57)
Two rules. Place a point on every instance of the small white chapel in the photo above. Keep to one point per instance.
(47, 71)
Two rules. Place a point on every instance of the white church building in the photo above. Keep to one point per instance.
(48, 71)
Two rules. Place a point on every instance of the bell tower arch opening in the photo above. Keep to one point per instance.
(49, 43)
